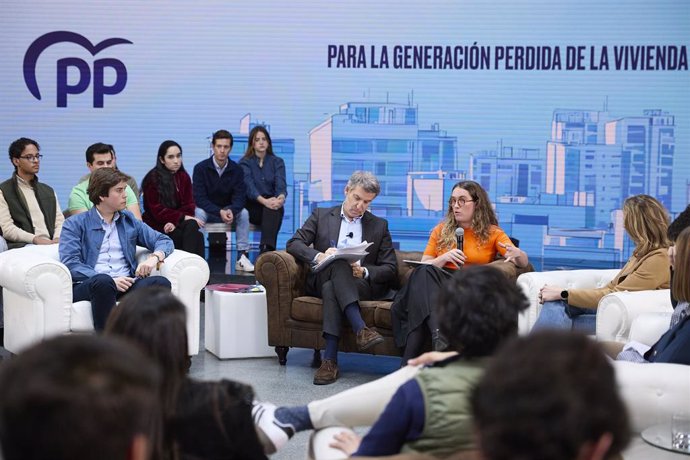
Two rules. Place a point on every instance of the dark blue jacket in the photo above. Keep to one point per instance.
(673, 347)
(213, 193)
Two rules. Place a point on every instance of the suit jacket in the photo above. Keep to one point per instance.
(674, 346)
(323, 226)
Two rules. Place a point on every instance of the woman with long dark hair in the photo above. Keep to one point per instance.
(469, 209)
(264, 176)
(201, 419)
(169, 202)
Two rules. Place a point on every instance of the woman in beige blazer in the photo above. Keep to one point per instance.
(646, 221)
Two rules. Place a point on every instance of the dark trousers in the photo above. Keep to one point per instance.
(269, 220)
(187, 237)
(336, 286)
(101, 291)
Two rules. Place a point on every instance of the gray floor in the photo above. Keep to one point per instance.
(291, 384)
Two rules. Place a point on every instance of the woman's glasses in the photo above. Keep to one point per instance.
(459, 201)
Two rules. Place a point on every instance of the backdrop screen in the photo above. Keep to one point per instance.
(560, 110)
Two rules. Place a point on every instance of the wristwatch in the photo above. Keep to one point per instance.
(160, 260)
(564, 294)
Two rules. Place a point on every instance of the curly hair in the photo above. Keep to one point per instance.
(482, 219)
(561, 390)
(478, 309)
(646, 221)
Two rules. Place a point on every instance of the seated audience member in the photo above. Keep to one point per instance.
(342, 285)
(646, 222)
(29, 210)
(264, 176)
(98, 247)
(131, 181)
(674, 345)
(98, 156)
(470, 211)
(169, 202)
(550, 396)
(79, 397)
(202, 419)
(220, 194)
(417, 409)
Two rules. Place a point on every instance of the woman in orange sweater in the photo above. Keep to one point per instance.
(469, 208)
(646, 221)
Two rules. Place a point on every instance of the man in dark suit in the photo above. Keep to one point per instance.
(341, 285)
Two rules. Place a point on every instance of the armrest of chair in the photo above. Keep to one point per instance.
(284, 279)
(188, 274)
(38, 297)
(652, 392)
(649, 327)
(617, 311)
(531, 283)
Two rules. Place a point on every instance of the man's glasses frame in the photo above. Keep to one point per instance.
(32, 158)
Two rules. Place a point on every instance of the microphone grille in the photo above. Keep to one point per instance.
(459, 232)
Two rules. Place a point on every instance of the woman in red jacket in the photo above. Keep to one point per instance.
(168, 200)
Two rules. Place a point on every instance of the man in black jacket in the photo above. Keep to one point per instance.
(341, 285)
(219, 194)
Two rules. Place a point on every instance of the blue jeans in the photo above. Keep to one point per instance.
(101, 291)
(557, 314)
(240, 222)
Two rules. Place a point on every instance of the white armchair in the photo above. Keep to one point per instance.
(38, 294)
(615, 312)
(532, 282)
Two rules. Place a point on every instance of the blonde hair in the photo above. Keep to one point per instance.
(646, 221)
(680, 288)
(482, 218)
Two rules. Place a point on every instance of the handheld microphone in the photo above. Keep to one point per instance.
(460, 237)
(350, 235)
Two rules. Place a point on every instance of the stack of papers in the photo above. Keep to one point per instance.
(351, 253)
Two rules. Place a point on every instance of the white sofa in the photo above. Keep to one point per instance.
(615, 313)
(652, 392)
(37, 292)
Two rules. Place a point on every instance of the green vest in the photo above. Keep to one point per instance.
(448, 418)
(19, 210)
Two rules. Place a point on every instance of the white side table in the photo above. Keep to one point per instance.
(236, 324)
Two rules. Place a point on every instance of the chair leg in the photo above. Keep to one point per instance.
(282, 354)
(316, 360)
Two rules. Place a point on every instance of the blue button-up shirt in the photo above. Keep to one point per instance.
(267, 180)
(83, 234)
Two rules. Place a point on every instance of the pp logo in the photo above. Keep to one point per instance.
(63, 86)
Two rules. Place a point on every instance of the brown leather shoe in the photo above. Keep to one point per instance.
(366, 338)
(327, 373)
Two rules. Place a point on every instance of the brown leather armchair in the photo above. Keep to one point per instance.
(294, 318)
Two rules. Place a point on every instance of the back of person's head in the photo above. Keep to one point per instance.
(646, 221)
(549, 396)
(156, 321)
(681, 268)
(101, 181)
(79, 397)
(478, 309)
(98, 147)
(222, 134)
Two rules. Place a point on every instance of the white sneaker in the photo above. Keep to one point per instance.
(244, 265)
(272, 434)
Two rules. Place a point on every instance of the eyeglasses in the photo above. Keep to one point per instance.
(32, 158)
(459, 201)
